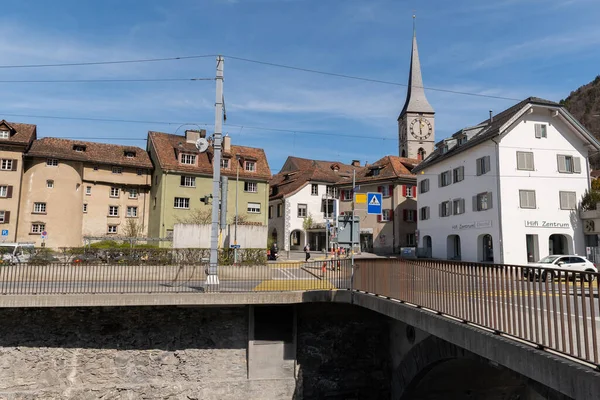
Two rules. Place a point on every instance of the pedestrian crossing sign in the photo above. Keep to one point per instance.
(374, 203)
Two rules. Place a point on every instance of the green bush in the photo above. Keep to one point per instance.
(589, 200)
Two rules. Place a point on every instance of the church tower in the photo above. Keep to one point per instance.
(416, 127)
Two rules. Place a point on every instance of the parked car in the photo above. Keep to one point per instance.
(569, 263)
(13, 253)
(86, 259)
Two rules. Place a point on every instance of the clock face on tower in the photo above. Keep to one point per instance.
(421, 128)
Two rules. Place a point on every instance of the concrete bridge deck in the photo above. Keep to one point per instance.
(497, 316)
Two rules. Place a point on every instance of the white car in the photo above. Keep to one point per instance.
(569, 263)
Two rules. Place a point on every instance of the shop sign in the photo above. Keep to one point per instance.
(546, 224)
(473, 225)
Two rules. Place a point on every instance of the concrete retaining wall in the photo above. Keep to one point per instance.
(198, 236)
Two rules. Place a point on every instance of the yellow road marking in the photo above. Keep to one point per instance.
(293, 284)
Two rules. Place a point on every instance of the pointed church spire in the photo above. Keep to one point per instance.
(415, 94)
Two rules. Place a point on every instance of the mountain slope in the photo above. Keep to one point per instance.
(584, 104)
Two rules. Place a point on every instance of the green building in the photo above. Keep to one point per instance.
(183, 175)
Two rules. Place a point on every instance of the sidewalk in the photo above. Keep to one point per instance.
(299, 256)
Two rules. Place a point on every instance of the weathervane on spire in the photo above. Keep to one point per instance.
(414, 22)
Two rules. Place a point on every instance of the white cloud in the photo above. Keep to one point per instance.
(542, 47)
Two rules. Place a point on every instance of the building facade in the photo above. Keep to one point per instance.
(506, 190)
(15, 140)
(304, 191)
(395, 228)
(74, 189)
(183, 175)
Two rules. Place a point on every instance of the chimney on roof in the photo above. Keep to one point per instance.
(227, 143)
(356, 163)
(192, 135)
(491, 116)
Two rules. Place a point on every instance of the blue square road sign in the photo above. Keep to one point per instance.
(374, 203)
(4, 232)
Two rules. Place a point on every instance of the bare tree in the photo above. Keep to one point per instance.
(197, 216)
(132, 228)
(242, 219)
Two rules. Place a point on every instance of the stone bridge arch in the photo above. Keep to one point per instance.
(421, 372)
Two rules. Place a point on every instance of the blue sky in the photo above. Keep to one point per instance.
(508, 48)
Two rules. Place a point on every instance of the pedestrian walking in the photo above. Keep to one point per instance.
(307, 251)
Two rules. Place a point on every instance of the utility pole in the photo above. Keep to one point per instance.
(213, 278)
(237, 184)
(326, 222)
(352, 229)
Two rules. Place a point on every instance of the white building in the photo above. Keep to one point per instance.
(301, 189)
(508, 189)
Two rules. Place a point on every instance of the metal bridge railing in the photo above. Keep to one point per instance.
(551, 308)
(135, 277)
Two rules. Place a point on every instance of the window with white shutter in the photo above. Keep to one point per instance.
(541, 131)
(568, 200)
(525, 160)
(527, 198)
(568, 164)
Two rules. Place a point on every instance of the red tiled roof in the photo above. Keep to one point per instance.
(167, 146)
(21, 134)
(97, 153)
(595, 173)
(390, 168)
(297, 171)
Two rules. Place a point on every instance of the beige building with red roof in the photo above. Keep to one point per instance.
(183, 175)
(323, 191)
(305, 188)
(15, 140)
(395, 228)
(73, 189)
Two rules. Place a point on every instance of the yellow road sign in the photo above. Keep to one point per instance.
(360, 198)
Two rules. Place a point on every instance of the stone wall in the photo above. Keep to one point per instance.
(342, 353)
(129, 353)
(189, 353)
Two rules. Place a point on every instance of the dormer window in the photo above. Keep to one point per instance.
(79, 148)
(130, 154)
(188, 159)
(445, 149)
(250, 166)
(225, 163)
(4, 134)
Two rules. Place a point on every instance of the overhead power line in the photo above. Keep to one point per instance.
(261, 128)
(314, 71)
(78, 64)
(129, 121)
(110, 80)
(271, 64)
